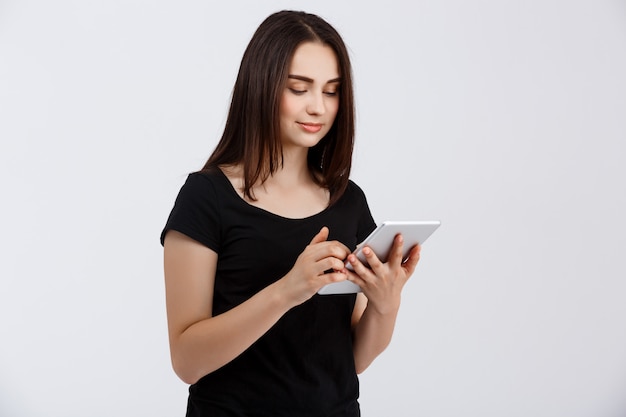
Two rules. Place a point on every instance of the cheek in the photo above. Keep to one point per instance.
(333, 108)
(286, 107)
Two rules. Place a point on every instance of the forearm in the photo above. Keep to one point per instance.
(211, 343)
(200, 343)
(372, 335)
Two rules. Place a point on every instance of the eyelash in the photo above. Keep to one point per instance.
(300, 92)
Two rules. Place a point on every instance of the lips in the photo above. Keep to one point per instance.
(311, 127)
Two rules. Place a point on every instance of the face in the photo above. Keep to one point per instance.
(310, 100)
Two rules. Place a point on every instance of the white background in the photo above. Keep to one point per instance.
(504, 119)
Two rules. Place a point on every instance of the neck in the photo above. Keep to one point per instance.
(295, 168)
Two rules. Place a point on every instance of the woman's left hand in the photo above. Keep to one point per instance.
(382, 283)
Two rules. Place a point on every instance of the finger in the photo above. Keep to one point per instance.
(372, 260)
(333, 277)
(362, 272)
(395, 254)
(413, 259)
(338, 250)
(330, 249)
(344, 251)
(330, 264)
(321, 236)
(356, 278)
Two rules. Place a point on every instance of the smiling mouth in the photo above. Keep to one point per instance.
(311, 127)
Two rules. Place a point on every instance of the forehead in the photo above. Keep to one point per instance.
(314, 60)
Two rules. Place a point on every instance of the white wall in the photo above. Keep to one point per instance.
(504, 119)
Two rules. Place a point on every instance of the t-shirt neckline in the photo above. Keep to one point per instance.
(234, 192)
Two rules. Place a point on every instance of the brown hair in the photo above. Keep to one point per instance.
(252, 132)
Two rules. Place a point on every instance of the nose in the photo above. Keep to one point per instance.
(316, 104)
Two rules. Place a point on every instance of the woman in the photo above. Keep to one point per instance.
(268, 221)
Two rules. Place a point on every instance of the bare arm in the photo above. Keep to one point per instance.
(376, 309)
(201, 343)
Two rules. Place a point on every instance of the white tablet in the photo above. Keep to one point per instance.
(380, 241)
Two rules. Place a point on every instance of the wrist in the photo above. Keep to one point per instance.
(384, 307)
(278, 295)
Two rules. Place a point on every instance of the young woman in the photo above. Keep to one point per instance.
(268, 221)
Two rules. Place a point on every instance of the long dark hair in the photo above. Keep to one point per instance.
(252, 133)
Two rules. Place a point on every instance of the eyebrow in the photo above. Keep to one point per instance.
(310, 80)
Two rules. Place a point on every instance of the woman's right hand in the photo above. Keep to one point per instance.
(309, 274)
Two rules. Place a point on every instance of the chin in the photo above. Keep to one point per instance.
(308, 141)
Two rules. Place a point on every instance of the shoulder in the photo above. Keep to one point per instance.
(353, 197)
(198, 209)
(203, 190)
(352, 208)
(204, 183)
(204, 178)
(353, 190)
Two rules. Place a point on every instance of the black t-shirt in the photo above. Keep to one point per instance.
(304, 365)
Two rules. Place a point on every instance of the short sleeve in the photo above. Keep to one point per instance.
(196, 212)
(366, 223)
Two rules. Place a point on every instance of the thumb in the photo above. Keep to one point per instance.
(321, 236)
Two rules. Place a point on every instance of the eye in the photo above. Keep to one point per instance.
(296, 91)
(332, 89)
